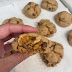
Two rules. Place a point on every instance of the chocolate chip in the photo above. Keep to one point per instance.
(33, 38)
(17, 22)
(36, 5)
(28, 9)
(51, 32)
(59, 19)
(33, 14)
(29, 3)
(44, 45)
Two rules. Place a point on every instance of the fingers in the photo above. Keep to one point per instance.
(10, 36)
(7, 29)
(8, 47)
(2, 51)
(14, 60)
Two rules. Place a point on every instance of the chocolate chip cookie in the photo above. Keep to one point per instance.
(70, 37)
(32, 10)
(54, 56)
(13, 20)
(63, 19)
(31, 43)
(46, 28)
(50, 5)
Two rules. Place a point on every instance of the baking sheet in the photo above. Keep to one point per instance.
(34, 63)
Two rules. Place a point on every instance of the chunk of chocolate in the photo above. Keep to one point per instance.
(44, 45)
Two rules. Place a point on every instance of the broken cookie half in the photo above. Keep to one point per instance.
(31, 43)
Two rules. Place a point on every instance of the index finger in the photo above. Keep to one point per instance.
(7, 29)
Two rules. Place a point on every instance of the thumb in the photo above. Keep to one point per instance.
(14, 60)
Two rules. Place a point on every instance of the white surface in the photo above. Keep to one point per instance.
(34, 63)
(68, 4)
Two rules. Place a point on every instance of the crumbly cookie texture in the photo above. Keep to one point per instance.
(31, 43)
(13, 20)
(54, 56)
(70, 37)
(9, 53)
(46, 28)
(63, 19)
(32, 10)
(50, 5)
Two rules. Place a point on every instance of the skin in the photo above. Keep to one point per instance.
(7, 32)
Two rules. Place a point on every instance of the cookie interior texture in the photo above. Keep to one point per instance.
(13, 20)
(32, 10)
(63, 19)
(70, 37)
(46, 28)
(54, 56)
(50, 5)
(31, 43)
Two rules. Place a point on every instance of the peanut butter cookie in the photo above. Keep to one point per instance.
(32, 10)
(46, 28)
(31, 43)
(54, 56)
(70, 37)
(13, 20)
(63, 19)
(50, 5)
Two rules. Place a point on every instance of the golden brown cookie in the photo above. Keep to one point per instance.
(63, 19)
(50, 5)
(46, 28)
(31, 43)
(54, 56)
(32, 10)
(70, 37)
(13, 20)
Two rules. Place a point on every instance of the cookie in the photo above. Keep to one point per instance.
(54, 56)
(46, 28)
(70, 37)
(13, 20)
(50, 5)
(9, 53)
(31, 43)
(32, 10)
(63, 19)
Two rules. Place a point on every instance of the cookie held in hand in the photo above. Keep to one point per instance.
(31, 43)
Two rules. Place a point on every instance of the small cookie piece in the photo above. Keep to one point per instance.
(55, 55)
(70, 37)
(50, 5)
(31, 43)
(9, 53)
(46, 28)
(63, 19)
(13, 20)
(32, 10)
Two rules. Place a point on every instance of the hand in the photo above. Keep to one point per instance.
(7, 32)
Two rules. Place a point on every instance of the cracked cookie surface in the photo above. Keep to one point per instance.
(32, 10)
(54, 56)
(13, 20)
(50, 5)
(70, 37)
(63, 19)
(31, 43)
(46, 28)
